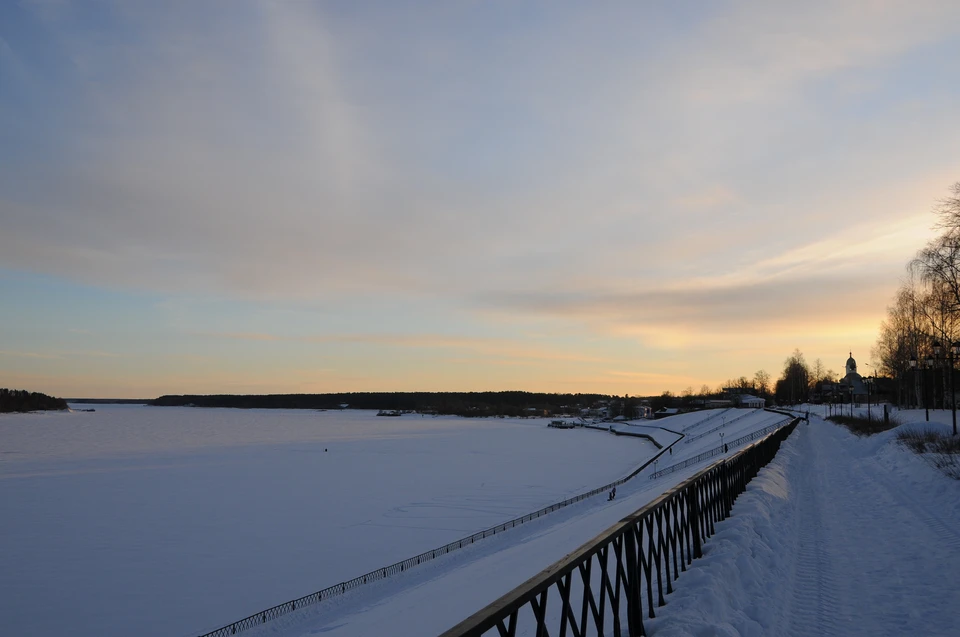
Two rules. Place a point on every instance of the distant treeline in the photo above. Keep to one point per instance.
(110, 401)
(479, 404)
(21, 400)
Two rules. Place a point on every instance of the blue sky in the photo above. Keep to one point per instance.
(313, 196)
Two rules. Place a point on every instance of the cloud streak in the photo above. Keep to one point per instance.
(514, 349)
(190, 182)
(639, 172)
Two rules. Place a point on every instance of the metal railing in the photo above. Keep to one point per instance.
(338, 589)
(640, 434)
(700, 423)
(601, 588)
(722, 425)
(716, 451)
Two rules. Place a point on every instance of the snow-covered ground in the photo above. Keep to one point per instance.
(436, 596)
(839, 535)
(174, 521)
(166, 521)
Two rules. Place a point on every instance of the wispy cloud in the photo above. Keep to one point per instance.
(10, 62)
(248, 336)
(60, 354)
(172, 158)
(509, 351)
(39, 355)
(91, 354)
(681, 176)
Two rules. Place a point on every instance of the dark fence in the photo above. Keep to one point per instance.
(379, 574)
(640, 434)
(700, 423)
(722, 425)
(601, 588)
(717, 451)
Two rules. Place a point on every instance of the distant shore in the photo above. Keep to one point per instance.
(20, 400)
(469, 404)
(110, 401)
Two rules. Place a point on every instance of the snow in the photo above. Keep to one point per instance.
(455, 586)
(174, 521)
(662, 435)
(839, 535)
(147, 521)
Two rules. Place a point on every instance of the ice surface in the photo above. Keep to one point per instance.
(173, 521)
(434, 597)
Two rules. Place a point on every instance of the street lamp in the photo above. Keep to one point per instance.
(937, 354)
(721, 442)
(917, 365)
(869, 382)
(954, 350)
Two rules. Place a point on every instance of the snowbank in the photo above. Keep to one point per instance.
(839, 535)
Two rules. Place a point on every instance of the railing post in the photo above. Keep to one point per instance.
(634, 611)
(694, 504)
(727, 490)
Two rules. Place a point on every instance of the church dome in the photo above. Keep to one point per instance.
(851, 365)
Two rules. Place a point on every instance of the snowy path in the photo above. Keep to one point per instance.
(839, 536)
(813, 604)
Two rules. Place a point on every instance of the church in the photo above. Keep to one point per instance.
(853, 383)
(850, 386)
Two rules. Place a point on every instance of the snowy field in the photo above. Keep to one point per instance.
(839, 536)
(174, 521)
(431, 598)
(157, 521)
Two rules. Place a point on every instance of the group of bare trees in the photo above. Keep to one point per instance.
(799, 379)
(758, 385)
(926, 308)
(794, 385)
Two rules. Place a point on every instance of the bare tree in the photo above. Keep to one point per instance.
(795, 381)
(938, 262)
(903, 335)
(762, 381)
(818, 371)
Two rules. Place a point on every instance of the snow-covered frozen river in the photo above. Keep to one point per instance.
(171, 521)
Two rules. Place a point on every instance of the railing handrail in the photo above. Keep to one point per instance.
(705, 509)
(683, 464)
(337, 589)
(722, 425)
(700, 423)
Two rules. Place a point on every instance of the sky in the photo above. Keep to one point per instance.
(626, 198)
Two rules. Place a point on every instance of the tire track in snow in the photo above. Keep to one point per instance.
(812, 607)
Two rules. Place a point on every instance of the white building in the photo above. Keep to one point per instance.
(753, 402)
